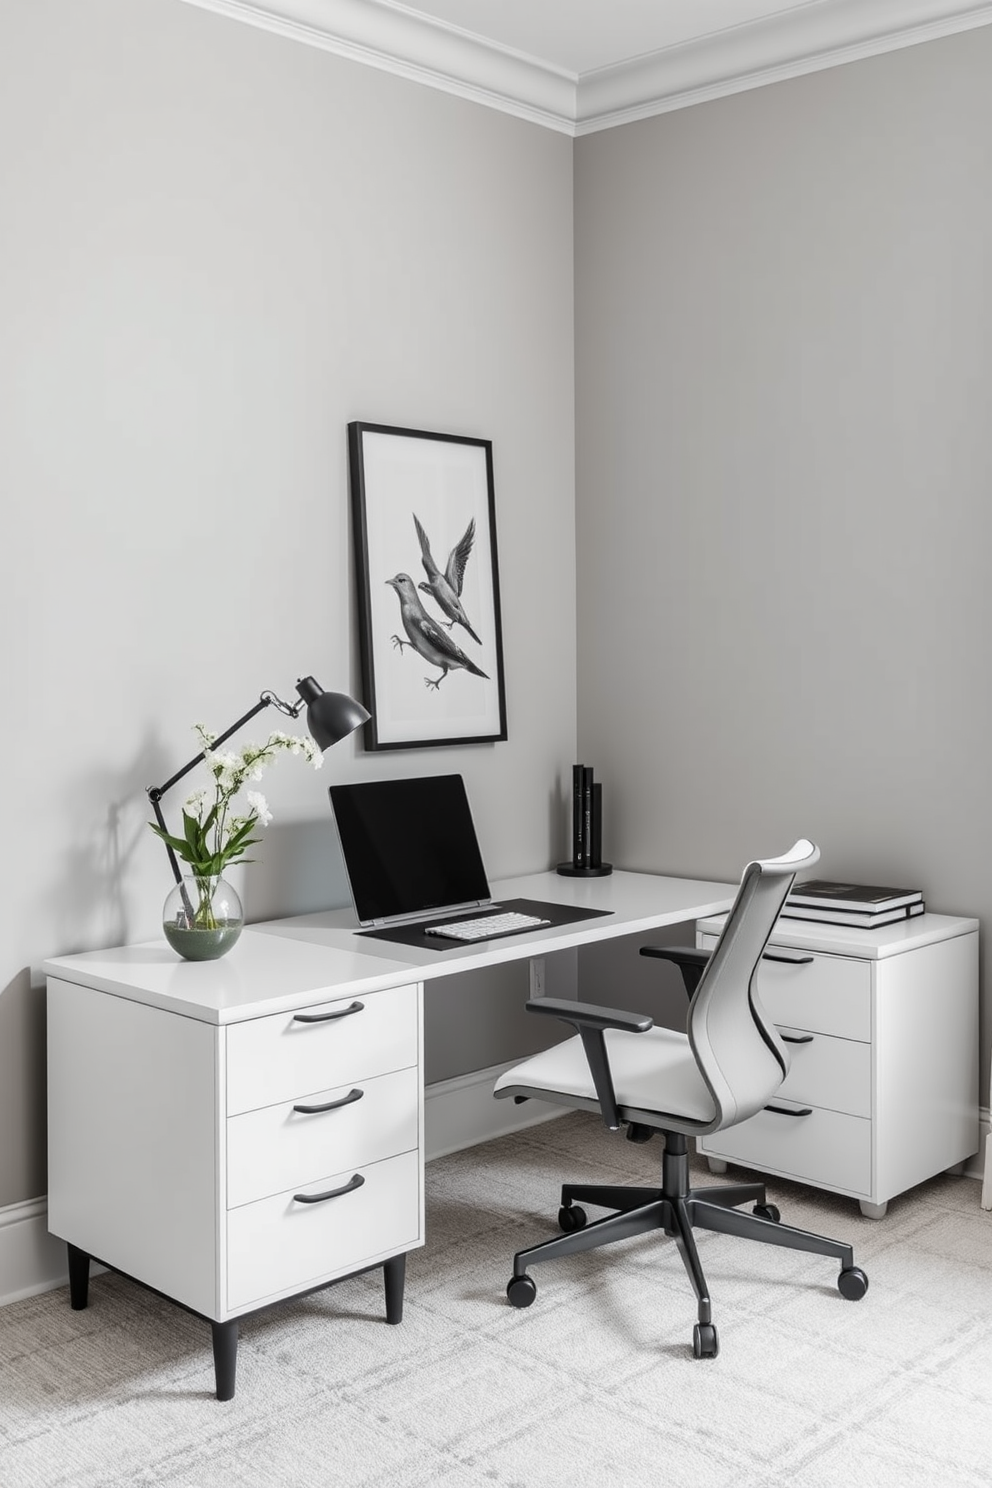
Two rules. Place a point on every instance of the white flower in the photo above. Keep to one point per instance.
(259, 805)
(194, 804)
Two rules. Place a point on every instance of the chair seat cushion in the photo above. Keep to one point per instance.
(653, 1072)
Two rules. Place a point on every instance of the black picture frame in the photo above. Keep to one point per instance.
(429, 621)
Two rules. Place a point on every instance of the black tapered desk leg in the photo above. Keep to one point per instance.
(79, 1277)
(225, 1336)
(394, 1275)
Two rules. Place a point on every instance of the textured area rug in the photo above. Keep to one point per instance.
(595, 1384)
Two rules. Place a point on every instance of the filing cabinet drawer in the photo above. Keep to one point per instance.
(830, 1072)
(827, 1148)
(278, 1245)
(271, 1149)
(827, 994)
(316, 1048)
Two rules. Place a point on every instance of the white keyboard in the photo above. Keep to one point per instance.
(484, 928)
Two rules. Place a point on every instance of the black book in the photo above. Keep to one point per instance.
(852, 918)
(596, 837)
(578, 819)
(587, 779)
(826, 893)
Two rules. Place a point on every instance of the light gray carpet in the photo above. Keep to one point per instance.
(595, 1384)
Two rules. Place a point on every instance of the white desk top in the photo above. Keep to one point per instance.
(310, 959)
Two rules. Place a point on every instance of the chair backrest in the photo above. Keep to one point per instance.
(738, 1050)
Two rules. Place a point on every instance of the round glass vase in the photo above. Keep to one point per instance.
(202, 917)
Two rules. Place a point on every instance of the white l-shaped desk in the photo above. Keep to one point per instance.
(238, 1132)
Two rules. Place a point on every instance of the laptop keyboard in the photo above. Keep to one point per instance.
(484, 928)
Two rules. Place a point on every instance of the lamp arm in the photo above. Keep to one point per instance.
(156, 792)
(345, 716)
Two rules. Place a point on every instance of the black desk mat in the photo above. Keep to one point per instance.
(558, 914)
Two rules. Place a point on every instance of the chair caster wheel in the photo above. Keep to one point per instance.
(571, 1217)
(705, 1343)
(852, 1283)
(767, 1211)
(521, 1291)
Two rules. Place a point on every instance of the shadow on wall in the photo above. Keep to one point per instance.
(112, 863)
(22, 1090)
(296, 869)
(114, 876)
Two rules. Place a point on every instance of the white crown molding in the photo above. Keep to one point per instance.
(402, 42)
(813, 35)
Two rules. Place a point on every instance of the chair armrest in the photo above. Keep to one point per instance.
(591, 1022)
(689, 961)
(590, 1015)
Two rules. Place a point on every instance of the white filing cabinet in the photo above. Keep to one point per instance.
(231, 1165)
(882, 1031)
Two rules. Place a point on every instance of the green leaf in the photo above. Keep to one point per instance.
(179, 846)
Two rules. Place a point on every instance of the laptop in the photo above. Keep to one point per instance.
(416, 873)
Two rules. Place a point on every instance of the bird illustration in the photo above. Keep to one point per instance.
(426, 636)
(447, 587)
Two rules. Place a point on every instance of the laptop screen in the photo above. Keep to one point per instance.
(409, 847)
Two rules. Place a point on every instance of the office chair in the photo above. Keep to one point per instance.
(723, 1070)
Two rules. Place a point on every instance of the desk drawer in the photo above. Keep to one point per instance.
(279, 1245)
(831, 1072)
(827, 1148)
(279, 1146)
(827, 994)
(278, 1058)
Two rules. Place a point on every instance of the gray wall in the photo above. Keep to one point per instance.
(784, 454)
(218, 246)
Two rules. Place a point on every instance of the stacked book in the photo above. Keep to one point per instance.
(861, 905)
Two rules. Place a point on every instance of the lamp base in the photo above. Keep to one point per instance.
(569, 870)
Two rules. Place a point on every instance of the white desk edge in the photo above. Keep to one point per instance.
(317, 958)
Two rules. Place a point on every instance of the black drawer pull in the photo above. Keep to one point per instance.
(786, 1111)
(356, 1007)
(796, 1038)
(799, 959)
(346, 1100)
(332, 1193)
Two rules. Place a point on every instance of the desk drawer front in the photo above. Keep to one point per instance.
(826, 1147)
(827, 994)
(278, 1058)
(277, 1244)
(830, 1072)
(279, 1146)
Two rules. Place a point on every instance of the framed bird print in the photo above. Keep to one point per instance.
(428, 586)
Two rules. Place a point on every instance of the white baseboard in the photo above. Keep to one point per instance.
(463, 1112)
(31, 1260)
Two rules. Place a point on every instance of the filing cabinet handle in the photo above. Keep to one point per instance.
(799, 958)
(356, 1007)
(346, 1100)
(786, 1111)
(787, 1038)
(332, 1193)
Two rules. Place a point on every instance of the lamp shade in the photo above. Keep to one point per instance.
(331, 716)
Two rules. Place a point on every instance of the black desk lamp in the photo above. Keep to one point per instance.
(331, 717)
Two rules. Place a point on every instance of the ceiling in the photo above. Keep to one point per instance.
(582, 65)
(579, 36)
